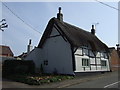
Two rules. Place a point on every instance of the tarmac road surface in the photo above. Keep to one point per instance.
(108, 81)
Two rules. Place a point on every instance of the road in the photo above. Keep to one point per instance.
(107, 81)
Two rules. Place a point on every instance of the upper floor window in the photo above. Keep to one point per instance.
(104, 55)
(85, 51)
(91, 54)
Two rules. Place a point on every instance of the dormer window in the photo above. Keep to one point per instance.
(104, 55)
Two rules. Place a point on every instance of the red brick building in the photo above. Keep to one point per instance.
(5, 51)
(115, 58)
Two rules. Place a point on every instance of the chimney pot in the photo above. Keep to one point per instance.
(92, 26)
(60, 15)
(29, 47)
(118, 47)
(59, 9)
(93, 30)
(29, 41)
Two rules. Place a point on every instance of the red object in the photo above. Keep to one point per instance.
(6, 51)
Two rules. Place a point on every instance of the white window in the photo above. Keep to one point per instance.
(85, 62)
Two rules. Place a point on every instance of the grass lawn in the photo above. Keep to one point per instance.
(38, 79)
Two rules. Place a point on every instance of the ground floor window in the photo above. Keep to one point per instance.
(103, 63)
(85, 62)
(45, 62)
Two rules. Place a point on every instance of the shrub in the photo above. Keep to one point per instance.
(17, 67)
(21, 69)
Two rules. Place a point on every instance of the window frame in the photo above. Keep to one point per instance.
(104, 55)
(103, 64)
(46, 62)
(85, 51)
(85, 62)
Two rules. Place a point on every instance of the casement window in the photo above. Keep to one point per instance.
(45, 62)
(90, 53)
(103, 63)
(85, 62)
(85, 51)
(104, 55)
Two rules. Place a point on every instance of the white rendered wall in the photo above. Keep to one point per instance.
(58, 53)
(93, 61)
(78, 60)
(37, 56)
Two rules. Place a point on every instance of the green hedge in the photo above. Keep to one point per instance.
(18, 67)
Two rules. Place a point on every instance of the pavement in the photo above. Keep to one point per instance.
(80, 78)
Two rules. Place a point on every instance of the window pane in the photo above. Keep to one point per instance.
(85, 62)
(103, 63)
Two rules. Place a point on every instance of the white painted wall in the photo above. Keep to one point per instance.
(79, 51)
(37, 56)
(78, 61)
(92, 60)
(58, 53)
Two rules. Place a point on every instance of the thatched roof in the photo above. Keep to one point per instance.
(76, 36)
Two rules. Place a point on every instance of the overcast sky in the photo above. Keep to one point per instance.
(37, 15)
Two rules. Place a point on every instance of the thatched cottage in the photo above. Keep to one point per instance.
(67, 49)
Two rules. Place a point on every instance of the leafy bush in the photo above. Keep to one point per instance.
(21, 69)
(17, 67)
(38, 80)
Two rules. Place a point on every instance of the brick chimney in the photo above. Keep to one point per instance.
(60, 15)
(93, 30)
(30, 47)
(118, 49)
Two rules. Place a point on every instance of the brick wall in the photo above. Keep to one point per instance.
(115, 60)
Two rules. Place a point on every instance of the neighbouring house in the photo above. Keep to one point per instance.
(24, 54)
(115, 58)
(5, 53)
(21, 56)
(67, 49)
